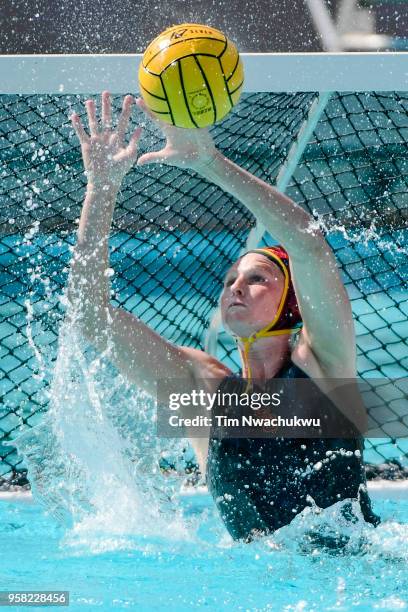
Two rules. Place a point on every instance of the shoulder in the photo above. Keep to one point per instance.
(206, 373)
(317, 366)
(339, 384)
(204, 366)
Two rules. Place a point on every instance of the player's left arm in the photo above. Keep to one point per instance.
(328, 331)
(328, 334)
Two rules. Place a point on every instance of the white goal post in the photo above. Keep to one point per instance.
(273, 72)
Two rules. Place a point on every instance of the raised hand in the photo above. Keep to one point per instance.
(106, 156)
(185, 148)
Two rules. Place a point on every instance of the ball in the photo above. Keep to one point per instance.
(191, 76)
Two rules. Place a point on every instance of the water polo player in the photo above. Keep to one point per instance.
(286, 306)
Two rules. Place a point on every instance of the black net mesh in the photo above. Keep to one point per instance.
(355, 173)
(174, 235)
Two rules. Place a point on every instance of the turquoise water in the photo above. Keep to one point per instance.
(198, 566)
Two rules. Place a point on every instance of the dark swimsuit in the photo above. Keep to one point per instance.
(261, 484)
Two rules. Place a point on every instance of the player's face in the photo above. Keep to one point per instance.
(252, 291)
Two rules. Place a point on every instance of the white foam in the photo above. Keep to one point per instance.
(19, 496)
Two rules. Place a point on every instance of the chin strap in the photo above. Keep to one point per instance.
(247, 343)
(267, 331)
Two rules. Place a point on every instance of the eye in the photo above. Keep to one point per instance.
(229, 282)
(257, 278)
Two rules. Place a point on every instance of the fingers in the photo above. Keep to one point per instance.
(151, 158)
(131, 149)
(92, 121)
(79, 128)
(106, 111)
(124, 118)
(106, 122)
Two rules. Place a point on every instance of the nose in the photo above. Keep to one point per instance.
(237, 287)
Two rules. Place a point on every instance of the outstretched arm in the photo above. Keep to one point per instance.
(140, 354)
(106, 160)
(328, 334)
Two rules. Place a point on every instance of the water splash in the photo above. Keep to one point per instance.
(39, 358)
(93, 459)
(340, 530)
(357, 234)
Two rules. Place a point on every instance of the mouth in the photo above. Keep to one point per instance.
(237, 304)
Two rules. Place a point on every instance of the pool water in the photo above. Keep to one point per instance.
(109, 565)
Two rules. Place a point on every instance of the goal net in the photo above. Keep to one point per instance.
(340, 155)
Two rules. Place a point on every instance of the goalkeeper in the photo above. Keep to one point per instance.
(286, 306)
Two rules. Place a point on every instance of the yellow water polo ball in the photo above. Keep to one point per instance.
(191, 75)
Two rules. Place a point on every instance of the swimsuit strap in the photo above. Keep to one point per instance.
(288, 370)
